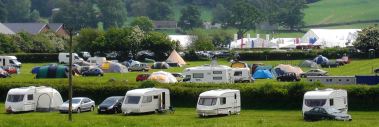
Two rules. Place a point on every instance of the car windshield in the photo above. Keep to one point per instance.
(207, 101)
(15, 98)
(132, 99)
(109, 101)
(74, 101)
(315, 102)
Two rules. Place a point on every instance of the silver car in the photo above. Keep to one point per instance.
(314, 72)
(79, 104)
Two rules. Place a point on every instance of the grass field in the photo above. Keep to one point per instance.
(182, 117)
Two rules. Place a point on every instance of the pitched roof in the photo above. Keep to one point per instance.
(5, 30)
(32, 28)
(55, 26)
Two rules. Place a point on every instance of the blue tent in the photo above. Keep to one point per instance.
(262, 74)
(321, 59)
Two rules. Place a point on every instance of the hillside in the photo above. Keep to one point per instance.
(336, 11)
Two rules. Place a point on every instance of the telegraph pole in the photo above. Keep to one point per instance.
(70, 76)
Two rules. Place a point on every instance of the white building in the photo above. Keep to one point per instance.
(327, 38)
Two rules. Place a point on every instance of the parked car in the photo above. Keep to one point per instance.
(4, 74)
(139, 67)
(319, 113)
(331, 64)
(288, 77)
(178, 76)
(142, 77)
(314, 72)
(111, 105)
(10, 69)
(79, 104)
(93, 72)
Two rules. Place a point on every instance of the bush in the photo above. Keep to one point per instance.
(36, 57)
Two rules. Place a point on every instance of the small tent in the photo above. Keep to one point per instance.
(239, 64)
(175, 58)
(113, 67)
(162, 77)
(52, 71)
(321, 59)
(160, 65)
(309, 64)
(262, 74)
(282, 69)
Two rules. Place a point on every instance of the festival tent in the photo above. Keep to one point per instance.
(162, 77)
(329, 38)
(113, 67)
(262, 74)
(51, 71)
(160, 65)
(175, 58)
(321, 59)
(309, 64)
(252, 43)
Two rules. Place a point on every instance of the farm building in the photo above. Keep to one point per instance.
(5, 30)
(343, 80)
(31, 28)
(327, 38)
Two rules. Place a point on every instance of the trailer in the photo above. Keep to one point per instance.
(219, 102)
(146, 100)
(343, 80)
(327, 98)
(32, 99)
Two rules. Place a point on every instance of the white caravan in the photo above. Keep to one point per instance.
(216, 74)
(9, 61)
(146, 100)
(241, 75)
(219, 102)
(64, 58)
(326, 98)
(32, 99)
(97, 60)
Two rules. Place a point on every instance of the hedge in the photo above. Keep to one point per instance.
(36, 57)
(254, 96)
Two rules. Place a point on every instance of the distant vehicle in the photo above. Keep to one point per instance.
(111, 105)
(142, 77)
(64, 58)
(9, 61)
(10, 69)
(4, 74)
(146, 100)
(219, 102)
(314, 72)
(288, 77)
(139, 67)
(79, 104)
(85, 55)
(178, 76)
(97, 60)
(93, 72)
(331, 64)
(318, 113)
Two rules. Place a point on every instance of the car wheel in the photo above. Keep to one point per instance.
(78, 110)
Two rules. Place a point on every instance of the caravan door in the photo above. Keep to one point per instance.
(43, 102)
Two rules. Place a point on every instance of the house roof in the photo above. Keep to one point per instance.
(32, 28)
(55, 26)
(5, 30)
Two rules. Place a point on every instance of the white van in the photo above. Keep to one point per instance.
(64, 58)
(219, 102)
(97, 60)
(32, 99)
(146, 100)
(326, 98)
(9, 61)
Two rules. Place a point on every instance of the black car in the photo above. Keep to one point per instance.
(111, 105)
(319, 113)
(288, 77)
(93, 72)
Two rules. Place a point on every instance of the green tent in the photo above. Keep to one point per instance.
(52, 71)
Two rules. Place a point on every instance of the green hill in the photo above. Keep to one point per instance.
(337, 11)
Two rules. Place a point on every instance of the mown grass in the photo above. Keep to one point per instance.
(183, 117)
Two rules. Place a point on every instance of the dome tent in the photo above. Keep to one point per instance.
(52, 71)
(309, 64)
(321, 59)
(160, 65)
(162, 77)
(262, 74)
(113, 67)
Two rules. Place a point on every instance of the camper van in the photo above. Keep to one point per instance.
(146, 100)
(97, 60)
(64, 58)
(219, 102)
(216, 74)
(9, 61)
(328, 98)
(32, 99)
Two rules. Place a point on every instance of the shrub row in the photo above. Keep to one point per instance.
(254, 96)
(36, 57)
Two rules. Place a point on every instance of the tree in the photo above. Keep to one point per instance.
(368, 39)
(7, 45)
(90, 40)
(191, 18)
(18, 10)
(221, 38)
(135, 39)
(201, 41)
(219, 14)
(44, 7)
(154, 9)
(3, 12)
(144, 23)
(242, 16)
(113, 12)
(291, 14)
(159, 44)
(34, 16)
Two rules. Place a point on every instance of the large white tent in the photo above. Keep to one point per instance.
(327, 38)
(286, 42)
(252, 43)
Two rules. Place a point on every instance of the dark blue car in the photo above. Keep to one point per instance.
(93, 72)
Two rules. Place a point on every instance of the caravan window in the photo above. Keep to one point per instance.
(217, 72)
(331, 102)
(198, 75)
(222, 101)
(238, 73)
(15, 98)
(155, 97)
(207, 101)
(147, 99)
(30, 97)
(217, 78)
(315, 102)
(132, 99)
